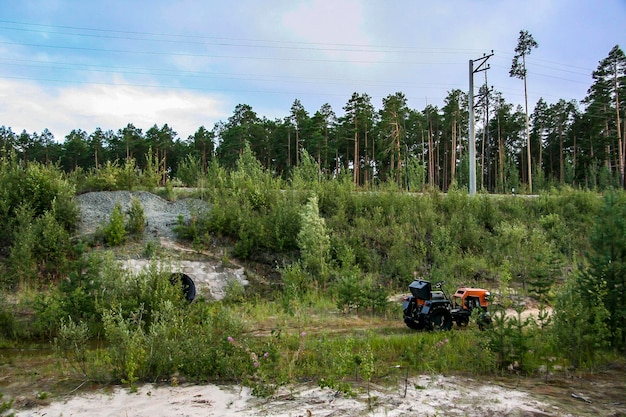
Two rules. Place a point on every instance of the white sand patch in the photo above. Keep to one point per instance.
(425, 396)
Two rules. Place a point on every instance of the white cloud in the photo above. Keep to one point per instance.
(26, 105)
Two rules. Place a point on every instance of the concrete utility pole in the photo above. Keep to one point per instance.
(472, 136)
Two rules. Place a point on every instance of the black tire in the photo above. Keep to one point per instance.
(187, 284)
(414, 325)
(440, 320)
(485, 323)
(462, 322)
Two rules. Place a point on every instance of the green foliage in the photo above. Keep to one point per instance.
(71, 344)
(251, 210)
(579, 328)
(606, 276)
(149, 177)
(296, 284)
(103, 178)
(353, 291)
(136, 218)
(114, 232)
(306, 176)
(248, 166)
(8, 325)
(22, 262)
(416, 174)
(313, 241)
(190, 171)
(97, 284)
(5, 405)
(37, 215)
(129, 351)
(127, 177)
(509, 338)
(52, 246)
(49, 313)
(195, 345)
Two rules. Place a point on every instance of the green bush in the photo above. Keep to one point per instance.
(114, 232)
(313, 241)
(37, 215)
(357, 291)
(190, 171)
(136, 218)
(103, 178)
(8, 325)
(71, 344)
(579, 331)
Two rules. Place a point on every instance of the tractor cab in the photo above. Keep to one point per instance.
(471, 298)
(465, 301)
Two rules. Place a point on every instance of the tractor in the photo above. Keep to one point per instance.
(426, 309)
(465, 300)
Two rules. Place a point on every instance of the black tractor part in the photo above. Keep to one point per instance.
(187, 284)
(440, 319)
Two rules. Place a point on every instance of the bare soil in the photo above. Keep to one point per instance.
(598, 394)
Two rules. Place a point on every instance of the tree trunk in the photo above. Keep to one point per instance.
(528, 153)
(453, 151)
(561, 159)
(356, 153)
(501, 155)
(431, 161)
(620, 150)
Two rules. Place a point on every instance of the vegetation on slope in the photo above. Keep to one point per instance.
(334, 255)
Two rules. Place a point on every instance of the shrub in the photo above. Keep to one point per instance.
(355, 291)
(136, 221)
(190, 171)
(580, 331)
(103, 178)
(115, 232)
(8, 328)
(71, 344)
(314, 241)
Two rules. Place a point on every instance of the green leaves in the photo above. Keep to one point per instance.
(313, 240)
(114, 232)
(525, 44)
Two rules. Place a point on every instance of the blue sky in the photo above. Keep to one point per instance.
(83, 64)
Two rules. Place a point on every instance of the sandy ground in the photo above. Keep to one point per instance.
(425, 396)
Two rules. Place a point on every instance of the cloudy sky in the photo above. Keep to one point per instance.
(83, 64)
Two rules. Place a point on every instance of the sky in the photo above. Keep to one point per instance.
(87, 64)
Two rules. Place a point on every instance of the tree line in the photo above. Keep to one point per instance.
(579, 144)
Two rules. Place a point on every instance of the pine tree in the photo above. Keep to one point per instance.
(314, 241)
(525, 44)
(607, 265)
(606, 103)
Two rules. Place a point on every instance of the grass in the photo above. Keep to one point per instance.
(311, 343)
(282, 340)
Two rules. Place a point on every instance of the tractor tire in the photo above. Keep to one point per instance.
(413, 324)
(485, 323)
(440, 320)
(186, 283)
(462, 322)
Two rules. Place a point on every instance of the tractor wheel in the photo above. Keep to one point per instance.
(462, 322)
(484, 323)
(440, 319)
(414, 324)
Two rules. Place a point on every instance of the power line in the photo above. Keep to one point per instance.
(55, 65)
(205, 55)
(333, 47)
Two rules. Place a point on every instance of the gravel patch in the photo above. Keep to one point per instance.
(210, 277)
(161, 215)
